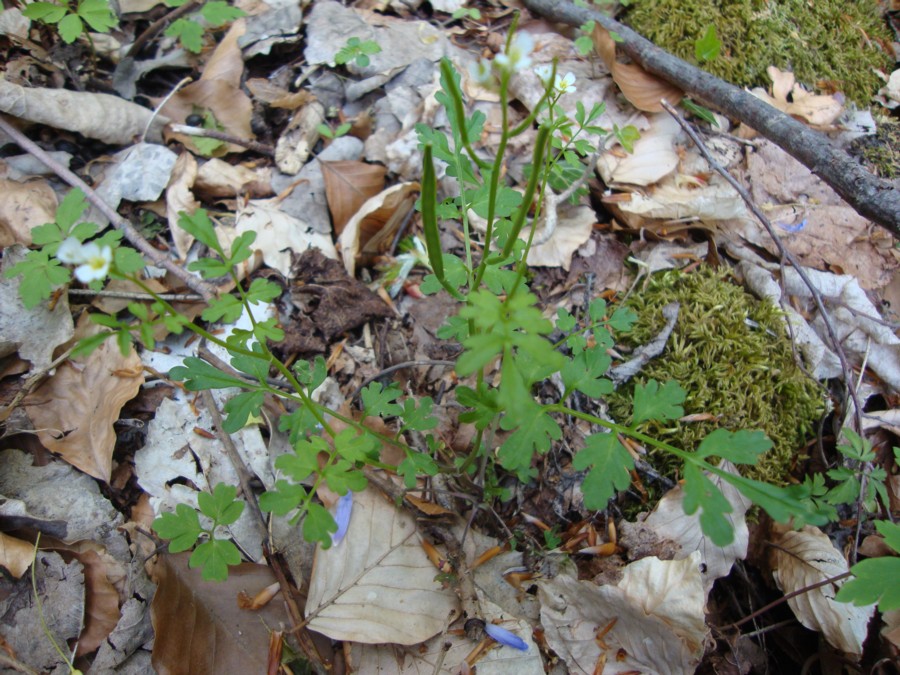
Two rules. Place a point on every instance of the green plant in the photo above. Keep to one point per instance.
(189, 30)
(466, 13)
(69, 19)
(357, 50)
(870, 582)
(183, 529)
(859, 480)
(709, 46)
(509, 348)
(326, 131)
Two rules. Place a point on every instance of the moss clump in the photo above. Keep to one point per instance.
(880, 153)
(829, 43)
(743, 373)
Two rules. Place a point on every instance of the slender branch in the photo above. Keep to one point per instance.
(207, 290)
(200, 132)
(134, 295)
(870, 196)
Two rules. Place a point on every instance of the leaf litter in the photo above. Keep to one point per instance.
(627, 602)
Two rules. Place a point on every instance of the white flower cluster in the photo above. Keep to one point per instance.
(518, 57)
(561, 85)
(93, 262)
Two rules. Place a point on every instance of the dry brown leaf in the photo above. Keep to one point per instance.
(803, 558)
(376, 221)
(643, 90)
(572, 231)
(101, 611)
(75, 409)
(179, 197)
(15, 555)
(107, 118)
(198, 625)
(277, 97)
(219, 91)
(377, 585)
(24, 206)
(348, 185)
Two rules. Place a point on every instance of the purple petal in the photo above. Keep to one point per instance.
(504, 637)
(793, 228)
(342, 516)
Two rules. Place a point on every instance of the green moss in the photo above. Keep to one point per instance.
(832, 41)
(880, 153)
(745, 375)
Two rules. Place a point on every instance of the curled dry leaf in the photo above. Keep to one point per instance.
(654, 155)
(107, 118)
(75, 409)
(806, 557)
(790, 97)
(643, 90)
(378, 586)
(375, 223)
(572, 230)
(348, 185)
(179, 197)
(217, 179)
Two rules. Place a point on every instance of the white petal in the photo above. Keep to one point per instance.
(70, 252)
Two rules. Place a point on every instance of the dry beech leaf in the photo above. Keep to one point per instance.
(101, 611)
(198, 625)
(656, 612)
(377, 585)
(670, 521)
(24, 206)
(654, 156)
(806, 557)
(348, 185)
(375, 222)
(179, 197)
(277, 97)
(217, 179)
(75, 409)
(572, 231)
(105, 117)
(15, 555)
(643, 90)
(814, 109)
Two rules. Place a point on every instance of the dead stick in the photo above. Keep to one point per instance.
(869, 196)
(196, 284)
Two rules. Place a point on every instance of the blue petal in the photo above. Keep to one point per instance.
(504, 637)
(342, 516)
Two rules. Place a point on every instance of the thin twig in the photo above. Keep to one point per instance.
(154, 28)
(135, 295)
(207, 290)
(785, 253)
(200, 132)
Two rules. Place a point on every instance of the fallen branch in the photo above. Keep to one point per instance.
(869, 196)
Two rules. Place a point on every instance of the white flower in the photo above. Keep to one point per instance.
(565, 85)
(544, 72)
(517, 56)
(482, 74)
(93, 262)
(69, 252)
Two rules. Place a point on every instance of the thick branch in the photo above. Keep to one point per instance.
(870, 196)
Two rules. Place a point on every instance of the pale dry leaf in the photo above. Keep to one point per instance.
(296, 142)
(75, 409)
(891, 630)
(277, 97)
(643, 90)
(572, 231)
(24, 206)
(655, 155)
(790, 97)
(375, 221)
(217, 179)
(198, 625)
(279, 235)
(803, 558)
(15, 555)
(348, 185)
(180, 198)
(670, 521)
(377, 585)
(101, 612)
(105, 117)
(139, 174)
(889, 95)
(668, 200)
(656, 613)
